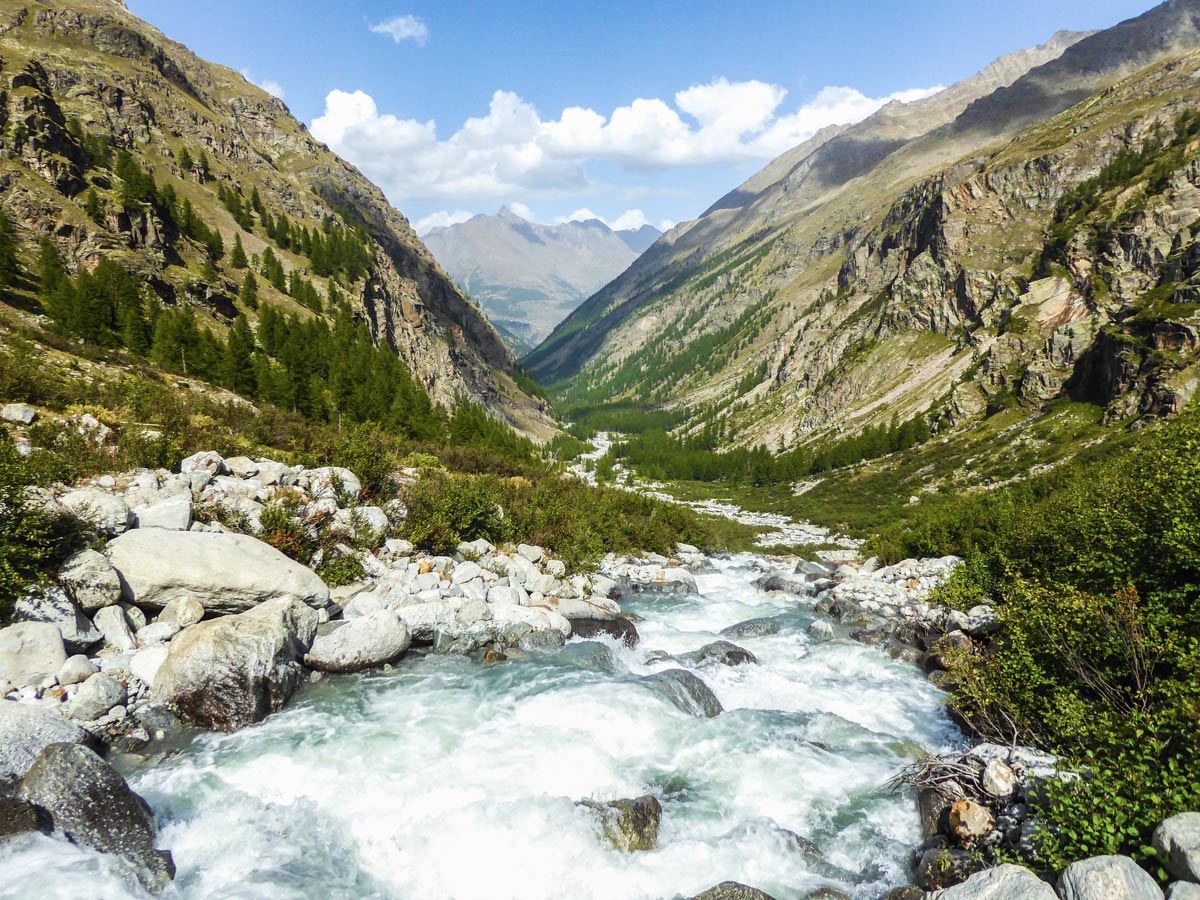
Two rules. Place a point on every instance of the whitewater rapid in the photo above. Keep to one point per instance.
(448, 777)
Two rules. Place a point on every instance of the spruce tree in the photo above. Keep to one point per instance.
(249, 291)
(185, 161)
(93, 207)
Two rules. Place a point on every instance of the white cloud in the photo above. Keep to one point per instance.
(522, 210)
(404, 28)
(513, 151)
(441, 219)
(630, 220)
(272, 87)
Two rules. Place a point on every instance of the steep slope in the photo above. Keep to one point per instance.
(944, 277)
(529, 277)
(121, 144)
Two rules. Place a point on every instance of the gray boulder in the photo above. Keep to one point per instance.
(1107, 878)
(76, 670)
(18, 413)
(114, 625)
(820, 631)
(1177, 841)
(718, 652)
(229, 672)
(206, 462)
(629, 825)
(30, 652)
(685, 691)
(91, 805)
(106, 513)
(182, 612)
(96, 697)
(50, 603)
(90, 580)
(1184, 890)
(173, 514)
(621, 629)
(27, 730)
(1007, 882)
(732, 890)
(360, 644)
(226, 573)
(752, 628)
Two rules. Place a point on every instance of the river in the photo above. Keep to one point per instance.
(448, 777)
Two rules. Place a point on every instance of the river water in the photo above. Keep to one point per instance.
(451, 778)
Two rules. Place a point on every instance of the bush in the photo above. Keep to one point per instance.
(445, 510)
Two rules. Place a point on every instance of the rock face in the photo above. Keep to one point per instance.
(91, 805)
(373, 640)
(1177, 841)
(629, 825)
(1107, 878)
(30, 652)
(1005, 882)
(686, 691)
(226, 573)
(229, 672)
(25, 731)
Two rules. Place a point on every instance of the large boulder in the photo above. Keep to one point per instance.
(30, 652)
(113, 623)
(18, 413)
(226, 573)
(621, 629)
(594, 607)
(685, 691)
(50, 603)
(1007, 882)
(753, 628)
(174, 514)
(90, 580)
(629, 825)
(106, 513)
(1107, 878)
(330, 482)
(91, 805)
(1180, 890)
(718, 652)
(352, 646)
(732, 890)
(1177, 841)
(27, 730)
(229, 672)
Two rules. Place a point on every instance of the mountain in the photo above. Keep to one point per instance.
(1020, 238)
(122, 145)
(528, 277)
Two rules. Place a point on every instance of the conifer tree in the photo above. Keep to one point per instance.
(237, 258)
(8, 252)
(249, 291)
(93, 207)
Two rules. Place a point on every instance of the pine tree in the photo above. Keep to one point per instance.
(93, 207)
(237, 259)
(237, 363)
(249, 291)
(205, 168)
(186, 163)
(8, 252)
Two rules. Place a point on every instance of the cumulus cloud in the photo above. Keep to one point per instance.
(441, 219)
(404, 28)
(523, 211)
(630, 220)
(272, 87)
(513, 151)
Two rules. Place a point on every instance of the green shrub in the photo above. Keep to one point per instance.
(445, 510)
(337, 570)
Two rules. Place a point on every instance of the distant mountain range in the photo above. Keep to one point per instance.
(529, 277)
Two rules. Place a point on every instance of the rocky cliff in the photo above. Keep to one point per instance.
(1023, 237)
(83, 82)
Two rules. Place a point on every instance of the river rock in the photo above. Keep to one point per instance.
(157, 633)
(229, 672)
(595, 607)
(90, 580)
(718, 652)
(621, 629)
(370, 641)
(1177, 841)
(144, 664)
(426, 620)
(173, 514)
(969, 821)
(113, 624)
(183, 612)
(1107, 878)
(732, 890)
(19, 817)
(686, 691)
(820, 631)
(106, 513)
(25, 731)
(666, 581)
(50, 603)
(907, 892)
(1180, 890)
(76, 670)
(95, 697)
(752, 628)
(1007, 882)
(30, 653)
(629, 825)
(18, 413)
(226, 573)
(91, 805)
(998, 780)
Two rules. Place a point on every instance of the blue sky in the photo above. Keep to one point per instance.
(636, 111)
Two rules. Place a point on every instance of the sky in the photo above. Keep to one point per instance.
(631, 112)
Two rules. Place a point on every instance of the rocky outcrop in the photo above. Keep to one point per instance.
(229, 672)
(225, 573)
